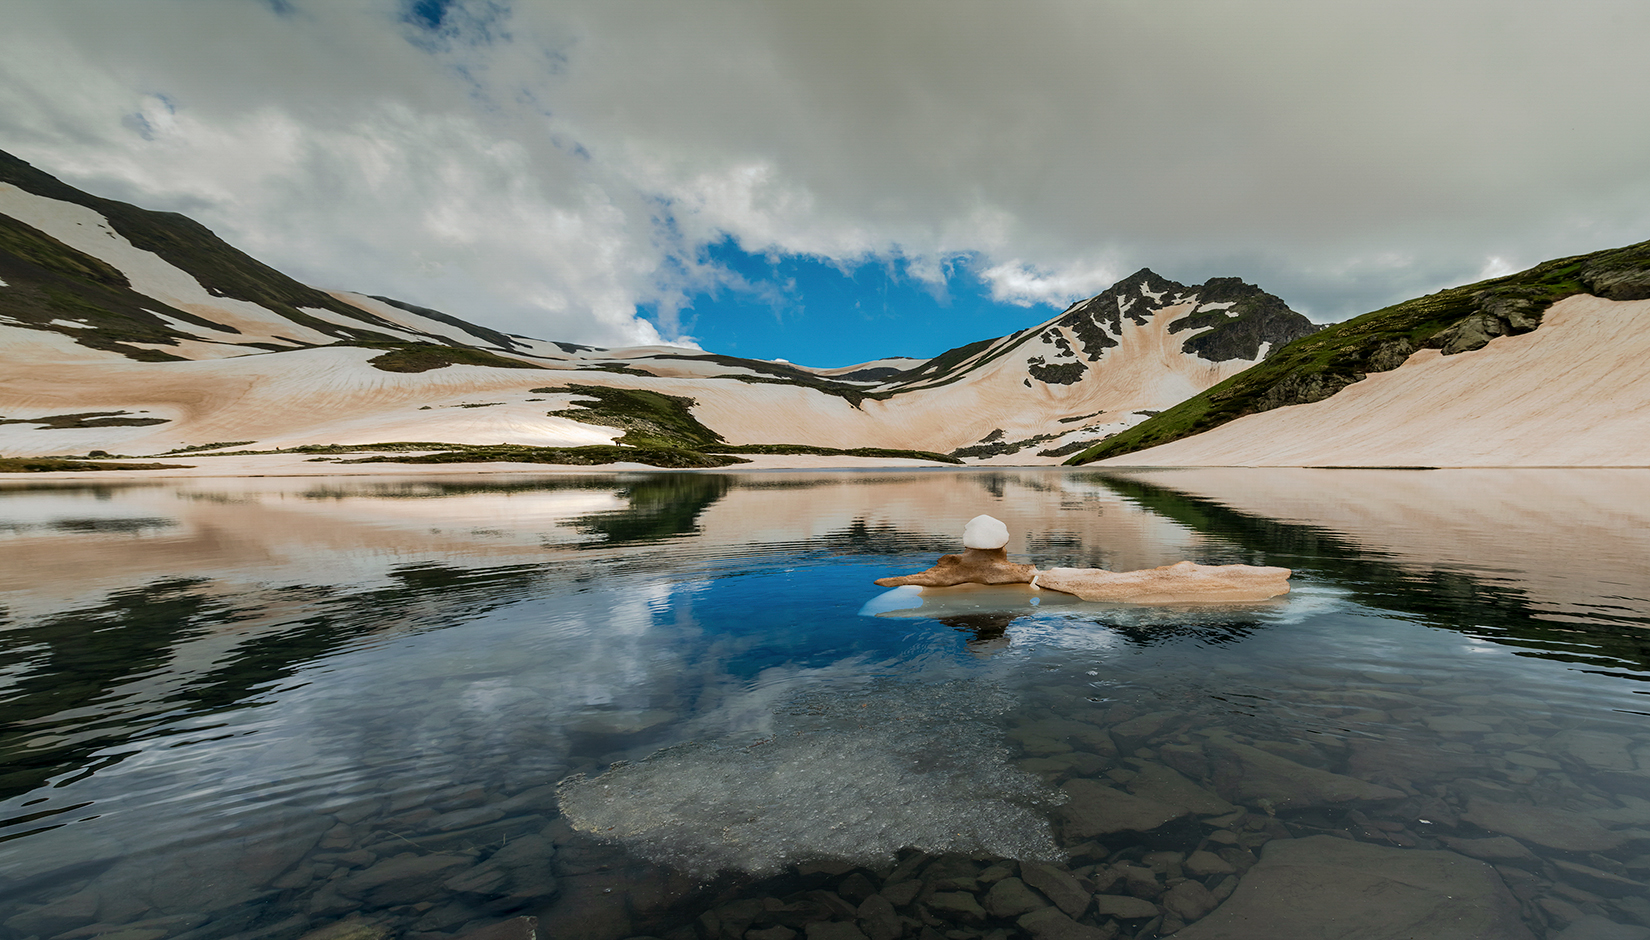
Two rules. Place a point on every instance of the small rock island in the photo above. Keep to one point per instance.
(985, 561)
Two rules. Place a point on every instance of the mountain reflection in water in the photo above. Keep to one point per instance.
(262, 706)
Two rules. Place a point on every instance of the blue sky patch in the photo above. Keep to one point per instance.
(819, 313)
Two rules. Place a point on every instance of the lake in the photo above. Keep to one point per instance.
(675, 705)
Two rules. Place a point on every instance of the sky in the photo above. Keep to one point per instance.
(831, 183)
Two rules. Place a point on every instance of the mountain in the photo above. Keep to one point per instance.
(138, 332)
(1539, 368)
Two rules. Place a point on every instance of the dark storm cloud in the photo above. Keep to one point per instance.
(550, 166)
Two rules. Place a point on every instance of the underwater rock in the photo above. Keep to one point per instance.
(1253, 775)
(1544, 825)
(1094, 809)
(1179, 583)
(1321, 886)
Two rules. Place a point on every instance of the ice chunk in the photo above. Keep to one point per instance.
(904, 597)
(985, 532)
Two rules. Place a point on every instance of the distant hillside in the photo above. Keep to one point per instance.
(139, 332)
(1454, 321)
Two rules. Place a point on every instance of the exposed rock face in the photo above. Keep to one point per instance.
(1231, 319)
(974, 566)
(1182, 582)
(1321, 886)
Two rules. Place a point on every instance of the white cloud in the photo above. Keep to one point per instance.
(1017, 282)
(549, 167)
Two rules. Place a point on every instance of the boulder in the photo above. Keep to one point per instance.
(1123, 907)
(1180, 583)
(1061, 886)
(1011, 898)
(1326, 887)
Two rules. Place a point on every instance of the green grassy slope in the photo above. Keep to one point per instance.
(1455, 320)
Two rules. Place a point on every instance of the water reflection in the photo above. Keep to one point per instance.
(234, 705)
(1472, 579)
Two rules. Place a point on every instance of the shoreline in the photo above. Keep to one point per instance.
(299, 465)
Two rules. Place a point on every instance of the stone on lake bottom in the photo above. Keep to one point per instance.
(1189, 900)
(1594, 927)
(1202, 864)
(1159, 783)
(1050, 924)
(1094, 809)
(1253, 775)
(1059, 885)
(1010, 898)
(834, 930)
(516, 928)
(1325, 887)
(1543, 825)
(956, 905)
(878, 918)
(1493, 849)
(1123, 907)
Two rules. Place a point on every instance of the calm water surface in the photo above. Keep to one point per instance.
(675, 705)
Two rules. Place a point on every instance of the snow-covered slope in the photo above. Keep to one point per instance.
(1574, 393)
(139, 332)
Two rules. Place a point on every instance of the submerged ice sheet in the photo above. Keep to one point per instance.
(855, 777)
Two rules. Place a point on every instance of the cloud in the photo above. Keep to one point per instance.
(1018, 282)
(551, 167)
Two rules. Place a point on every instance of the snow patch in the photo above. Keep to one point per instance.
(1222, 305)
(184, 326)
(1156, 296)
(333, 316)
(72, 323)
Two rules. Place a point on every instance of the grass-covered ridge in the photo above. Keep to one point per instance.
(423, 357)
(48, 464)
(810, 449)
(672, 458)
(1455, 320)
(648, 419)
